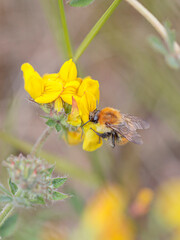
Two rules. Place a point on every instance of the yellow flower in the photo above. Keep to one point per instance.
(105, 217)
(65, 86)
(167, 203)
(142, 202)
(52, 87)
(73, 137)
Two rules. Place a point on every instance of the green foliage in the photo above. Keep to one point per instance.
(59, 196)
(50, 170)
(51, 122)
(13, 187)
(172, 62)
(5, 199)
(54, 123)
(4, 190)
(167, 48)
(58, 182)
(171, 36)
(80, 3)
(38, 200)
(23, 201)
(9, 226)
(157, 44)
(58, 127)
(33, 177)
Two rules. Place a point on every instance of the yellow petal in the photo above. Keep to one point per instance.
(91, 86)
(74, 117)
(74, 137)
(52, 76)
(68, 71)
(70, 90)
(91, 140)
(52, 90)
(71, 86)
(58, 105)
(33, 83)
(86, 104)
(79, 80)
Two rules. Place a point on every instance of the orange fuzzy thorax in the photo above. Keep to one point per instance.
(110, 116)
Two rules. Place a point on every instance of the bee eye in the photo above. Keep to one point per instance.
(96, 119)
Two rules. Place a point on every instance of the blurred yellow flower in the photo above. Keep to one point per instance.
(105, 217)
(52, 87)
(142, 202)
(167, 203)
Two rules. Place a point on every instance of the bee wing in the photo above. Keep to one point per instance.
(130, 135)
(133, 123)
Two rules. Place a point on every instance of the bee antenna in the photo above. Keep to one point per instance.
(85, 123)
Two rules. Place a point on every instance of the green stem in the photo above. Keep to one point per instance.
(153, 21)
(94, 31)
(40, 141)
(65, 29)
(7, 210)
(62, 165)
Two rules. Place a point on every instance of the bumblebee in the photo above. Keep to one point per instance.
(116, 127)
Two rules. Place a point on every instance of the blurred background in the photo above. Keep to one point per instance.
(130, 192)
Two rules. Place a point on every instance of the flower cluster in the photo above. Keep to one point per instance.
(31, 178)
(68, 99)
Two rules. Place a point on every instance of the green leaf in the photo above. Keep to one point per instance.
(51, 122)
(5, 199)
(67, 108)
(59, 196)
(80, 3)
(46, 107)
(172, 62)
(38, 200)
(4, 190)
(171, 36)
(157, 44)
(9, 226)
(57, 182)
(58, 127)
(13, 187)
(50, 170)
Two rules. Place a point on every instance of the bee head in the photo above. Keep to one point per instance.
(94, 116)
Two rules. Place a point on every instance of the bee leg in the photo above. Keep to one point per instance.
(103, 135)
(113, 139)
